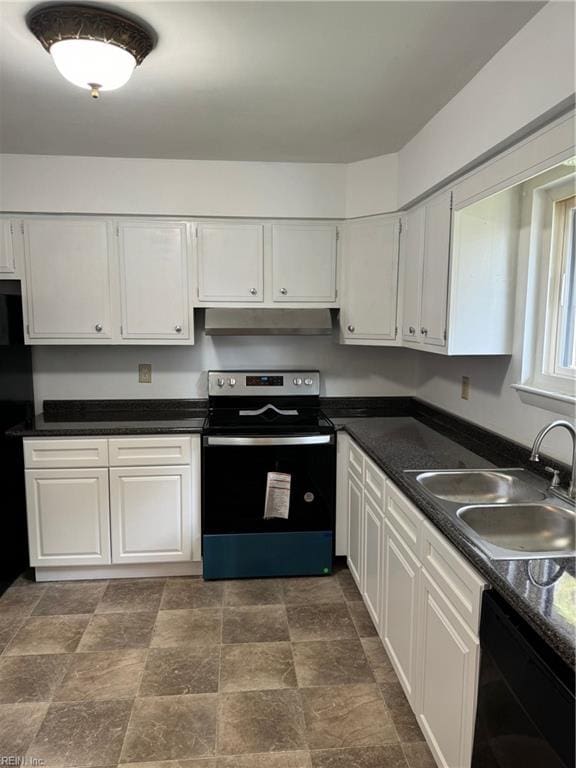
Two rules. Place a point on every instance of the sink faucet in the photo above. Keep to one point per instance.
(534, 456)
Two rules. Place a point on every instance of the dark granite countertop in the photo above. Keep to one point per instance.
(399, 443)
(40, 426)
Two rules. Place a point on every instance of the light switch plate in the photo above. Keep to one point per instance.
(145, 373)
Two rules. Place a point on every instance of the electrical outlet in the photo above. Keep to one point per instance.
(145, 373)
(465, 393)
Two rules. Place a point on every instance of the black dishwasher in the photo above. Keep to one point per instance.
(525, 715)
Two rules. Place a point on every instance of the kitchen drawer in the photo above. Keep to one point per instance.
(51, 453)
(356, 461)
(459, 582)
(405, 518)
(149, 451)
(374, 482)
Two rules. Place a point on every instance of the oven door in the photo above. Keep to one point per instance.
(238, 541)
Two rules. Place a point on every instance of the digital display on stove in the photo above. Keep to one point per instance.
(264, 381)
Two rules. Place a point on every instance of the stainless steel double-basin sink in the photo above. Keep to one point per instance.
(508, 513)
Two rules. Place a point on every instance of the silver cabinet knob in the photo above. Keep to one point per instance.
(424, 331)
(98, 328)
(351, 328)
(411, 330)
(178, 328)
(283, 291)
(253, 291)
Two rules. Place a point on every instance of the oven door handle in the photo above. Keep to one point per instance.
(251, 441)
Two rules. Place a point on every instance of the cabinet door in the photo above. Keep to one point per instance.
(412, 254)
(400, 611)
(435, 270)
(355, 530)
(448, 675)
(68, 516)
(68, 265)
(7, 253)
(151, 514)
(230, 262)
(370, 280)
(154, 280)
(304, 262)
(373, 539)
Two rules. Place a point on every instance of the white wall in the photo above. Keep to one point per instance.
(179, 372)
(372, 186)
(38, 183)
(531, 75)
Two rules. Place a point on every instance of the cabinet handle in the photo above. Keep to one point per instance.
(253, 291)
(178, 328)
(351, 328)
(411, 330)
(283, 291)
(424, 331)
(98, 328)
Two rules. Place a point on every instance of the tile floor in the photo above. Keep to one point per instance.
(281, 673)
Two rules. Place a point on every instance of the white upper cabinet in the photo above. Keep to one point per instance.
(412, 253)
(230, 262)
(436, 259)
(370, 281)
(7, 248)
(304, 262)
(154, 280)
(68, 278)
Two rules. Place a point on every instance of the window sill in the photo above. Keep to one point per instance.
(548, 400)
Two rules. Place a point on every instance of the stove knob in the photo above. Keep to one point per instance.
(231, 382)
(298, 382)
(220, 382)
(308, 382)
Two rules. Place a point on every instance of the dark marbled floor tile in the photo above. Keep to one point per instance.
(19, 724)
(88, 733)
(257, 666)
(266, 760)
(418, 755)
(348, 586)
(69, 598)
(346, 716)
(321, 589)
(182, 670)
(20, 601)
(253, 592)
(131, 595)
(9, 625)
(199, 762)
(331, 662)
(171, 728)
(117, 631)
(102, 675)
(201, 626)
(378, 659)
(255, 624)
(327, 621)
(261, 721)
(390, 756)
(191, 593)
(361, 618)
(401, 711)
(31, 678)
(48, 634)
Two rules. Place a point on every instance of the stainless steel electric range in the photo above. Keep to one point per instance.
(268, 476)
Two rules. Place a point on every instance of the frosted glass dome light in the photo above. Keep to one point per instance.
(93, 64)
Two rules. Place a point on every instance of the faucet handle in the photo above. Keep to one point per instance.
(555, 482)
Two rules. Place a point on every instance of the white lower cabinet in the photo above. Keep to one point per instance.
(150, 514)
(68, 516)
(424, 599)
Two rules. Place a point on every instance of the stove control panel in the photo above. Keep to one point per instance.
(256, 383)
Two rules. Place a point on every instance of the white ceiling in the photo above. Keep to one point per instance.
(286, 81)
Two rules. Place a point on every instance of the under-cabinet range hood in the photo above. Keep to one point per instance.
(268, 322)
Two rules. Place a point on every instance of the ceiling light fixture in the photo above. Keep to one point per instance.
(92, 47)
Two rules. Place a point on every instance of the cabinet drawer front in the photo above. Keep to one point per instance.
(405, 518)
(374, 482)
(49, 453)
(149, 451)
(356, 461)
(458, 581)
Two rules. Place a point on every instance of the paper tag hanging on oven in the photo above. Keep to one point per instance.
(277, 502)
